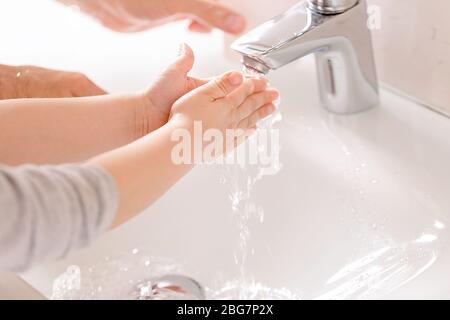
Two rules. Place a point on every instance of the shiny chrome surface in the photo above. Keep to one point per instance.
(169, 287)
(342, 46)
(331, 6)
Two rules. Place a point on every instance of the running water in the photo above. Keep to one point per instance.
(241, 178)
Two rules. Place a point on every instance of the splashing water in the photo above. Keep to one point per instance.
(238, 290)
(381, 271)
(241, 179)
(113, 278)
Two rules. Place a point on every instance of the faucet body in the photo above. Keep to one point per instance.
(336, 32)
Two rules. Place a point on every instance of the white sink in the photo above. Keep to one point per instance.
(360, 209)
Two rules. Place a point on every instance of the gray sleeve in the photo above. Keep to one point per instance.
(48, 211)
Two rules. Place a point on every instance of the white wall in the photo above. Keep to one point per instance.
(413, 49)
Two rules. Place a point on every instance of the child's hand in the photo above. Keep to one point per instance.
(227, 102)
(172, 84)
(143, 171)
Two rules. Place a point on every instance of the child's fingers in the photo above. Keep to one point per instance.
(244, 136)
(249, 87)
(194, 83)
(185, 59)
(255, 101)
(252, 120)
(223, 85)
(239, 137)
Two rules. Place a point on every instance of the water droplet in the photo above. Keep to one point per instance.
(125, 269)
(374, 181)
(346, 151)
(19, 74)
(135, 251)
(147, 263)
(236, 260)
(439, 225)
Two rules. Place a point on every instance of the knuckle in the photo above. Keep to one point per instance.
(78, 78)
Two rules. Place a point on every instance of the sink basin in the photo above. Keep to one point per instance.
(360, 208)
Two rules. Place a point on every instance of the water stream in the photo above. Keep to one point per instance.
(241, 178)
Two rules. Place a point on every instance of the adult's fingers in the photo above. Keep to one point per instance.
(197, 26)
(213, 13)
(81, 86)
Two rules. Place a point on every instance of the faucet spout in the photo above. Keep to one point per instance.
(341, 43)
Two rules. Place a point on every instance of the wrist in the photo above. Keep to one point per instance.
(182, 121)
(148, 117)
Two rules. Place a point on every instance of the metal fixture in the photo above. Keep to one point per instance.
(336, 32)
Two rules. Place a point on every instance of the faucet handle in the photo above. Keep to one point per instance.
(331, 6)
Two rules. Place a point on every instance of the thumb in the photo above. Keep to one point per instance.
(214, 14)
(185, 60)
(223, 85)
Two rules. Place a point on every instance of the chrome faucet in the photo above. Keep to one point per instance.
(336, 32)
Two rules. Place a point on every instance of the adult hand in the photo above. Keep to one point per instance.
(34, 82)
(139, 15)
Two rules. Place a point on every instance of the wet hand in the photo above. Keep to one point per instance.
(171, 85)
(229, 102)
